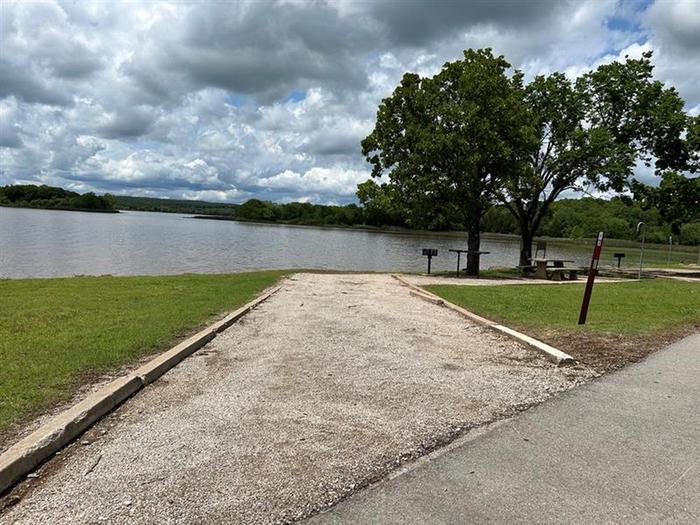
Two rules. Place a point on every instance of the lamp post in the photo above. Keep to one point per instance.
(643, 227)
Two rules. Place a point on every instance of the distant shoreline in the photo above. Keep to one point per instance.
(584, 242)
(325, 226)
(365, 228)
(87, 210)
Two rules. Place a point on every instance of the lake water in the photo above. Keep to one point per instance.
(48, 243)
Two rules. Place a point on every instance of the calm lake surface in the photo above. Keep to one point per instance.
(48, 243)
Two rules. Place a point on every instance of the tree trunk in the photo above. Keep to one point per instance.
(526, 237)
(473, 243)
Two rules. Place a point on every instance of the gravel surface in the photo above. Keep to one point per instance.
(329, 385)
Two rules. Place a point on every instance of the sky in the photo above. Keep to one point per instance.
(226, 101)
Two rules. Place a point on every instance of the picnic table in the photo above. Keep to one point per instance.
(460, 252)
(554, 269)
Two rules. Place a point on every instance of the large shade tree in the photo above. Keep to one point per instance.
(446, 143)
(590, 134)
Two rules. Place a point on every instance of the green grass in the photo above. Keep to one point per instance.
(631, 307)
(655, 255)
(56, 333)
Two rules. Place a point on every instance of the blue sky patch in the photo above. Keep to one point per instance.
(235, 99)
(295, 96)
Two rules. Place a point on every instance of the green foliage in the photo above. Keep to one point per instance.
(452, 143)
(446, 142)
(300, 213)
(31, 196)
(591, 132)
(677, 198)
(54, 333)
(640, 114)
(433, 135)
(690, 234)
(443, 141)
(259, 210)
(124, 202)
(255, 209)
(378, 204)
(499, 220)
(584, 218)
(693, 144)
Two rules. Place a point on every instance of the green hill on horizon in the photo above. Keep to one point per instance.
(50, 197)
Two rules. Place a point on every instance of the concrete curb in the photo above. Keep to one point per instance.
(426, 297)
(165, 361)
(551, 353)
(30, 452)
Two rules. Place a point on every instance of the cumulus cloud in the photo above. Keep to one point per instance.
(417, 23)
(229, 100)
(674, 35)
(332, 181)
(127, 122)
(212, 195)
(9, 129)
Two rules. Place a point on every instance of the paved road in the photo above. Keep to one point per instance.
(624, 449)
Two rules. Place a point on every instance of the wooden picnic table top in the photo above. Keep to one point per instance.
(539, 259)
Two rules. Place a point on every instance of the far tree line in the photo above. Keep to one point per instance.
(567, 218)
(33, 196)
(476, 137)
(667, 210)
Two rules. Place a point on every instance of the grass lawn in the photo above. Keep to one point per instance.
(56, 334)
(655, 255)
(631, 307)
(632, 316)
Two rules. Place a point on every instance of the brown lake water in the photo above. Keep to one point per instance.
(49, 243)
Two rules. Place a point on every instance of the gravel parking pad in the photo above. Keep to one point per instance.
(329, 385)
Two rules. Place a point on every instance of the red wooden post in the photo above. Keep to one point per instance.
(592, 272)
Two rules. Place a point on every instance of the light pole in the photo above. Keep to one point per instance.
(643, 227)
(670, 247)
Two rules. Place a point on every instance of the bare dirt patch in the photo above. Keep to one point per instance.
(331, 384)
(605, 352)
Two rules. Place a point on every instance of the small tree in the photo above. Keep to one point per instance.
(446, 142)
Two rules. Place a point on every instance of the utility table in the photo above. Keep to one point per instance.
(460, 252)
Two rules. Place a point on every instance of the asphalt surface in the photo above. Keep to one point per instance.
(623, 449)
(332, 383)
